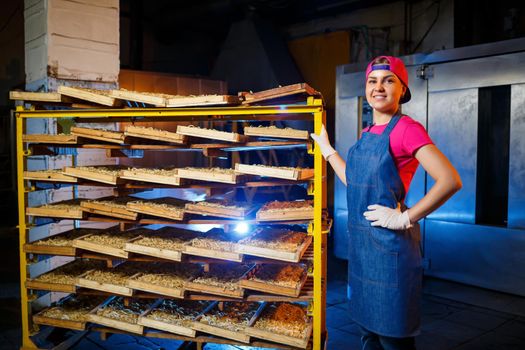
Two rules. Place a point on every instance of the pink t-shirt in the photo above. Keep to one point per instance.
(405, 139)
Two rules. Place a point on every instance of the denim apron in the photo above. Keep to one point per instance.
(384, 266)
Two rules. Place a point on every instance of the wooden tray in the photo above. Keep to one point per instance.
(46, 138)
(155, 289)
(154, 134)
(226, 333)
(294, 89)
(202, 175)
(279, 338)
(98, 134)
(49, 211)
(210, 289)
(275, 254)
(81, 243)
(167, 326)
(50, 175)
(210, 134)
(132, 247)
(138, 175)
(215, 254)
(271, 288)
(285, 214)
(203, 100)
(277, 172)
(225, 212)
(113, 323)
(100, 207)
(286, 133)
(41, 319)
(50, 249)
(158, 100)
(104, 287)
(150, 207)
(89, 174)
(97, 96)
(56, 322)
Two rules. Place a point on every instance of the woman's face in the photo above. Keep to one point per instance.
(383, 91)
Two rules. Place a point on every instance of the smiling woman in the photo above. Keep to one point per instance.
(384, 262)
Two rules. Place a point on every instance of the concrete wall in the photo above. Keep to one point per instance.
(72, 40)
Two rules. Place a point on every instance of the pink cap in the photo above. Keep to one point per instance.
(396, 66)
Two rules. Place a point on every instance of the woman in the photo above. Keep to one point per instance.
(384, 262)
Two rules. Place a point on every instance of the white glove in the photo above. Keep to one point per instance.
(324, 143)
(386, 217)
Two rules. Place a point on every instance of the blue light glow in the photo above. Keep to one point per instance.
(242, 228)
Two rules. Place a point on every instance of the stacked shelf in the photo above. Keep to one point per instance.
(216, 269)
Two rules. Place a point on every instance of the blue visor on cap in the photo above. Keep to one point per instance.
(381, 67)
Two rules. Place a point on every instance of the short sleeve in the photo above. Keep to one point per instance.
(415, 137)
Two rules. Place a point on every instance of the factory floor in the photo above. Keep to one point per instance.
(454, 316)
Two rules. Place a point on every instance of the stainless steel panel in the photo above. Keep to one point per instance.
(476, 73)
(416, 108)
(349, 84)
(516, 210)
(485, 256)
(462, 53)
(346, 127)
(453, 126)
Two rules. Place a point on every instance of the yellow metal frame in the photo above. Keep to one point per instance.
(313, 106)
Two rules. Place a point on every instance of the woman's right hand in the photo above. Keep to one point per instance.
(323, 142)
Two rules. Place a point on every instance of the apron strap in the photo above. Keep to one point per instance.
(391, 124)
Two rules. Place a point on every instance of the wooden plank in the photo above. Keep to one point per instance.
(249, 282)
(167, 327)
(226, 210)
(272, 131)
(167, 176)
(49, 175)
(213, 134)
(211, 175)
(275, 254)
(91, 95)
(46, 138)
(166, 207)
(158, 100)
(51, 287)
(202, 100)
(49, 250)
(154, 134)
(110, 207)
(99, 134)
(35, 96)
(110, 175)
(286, 173)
